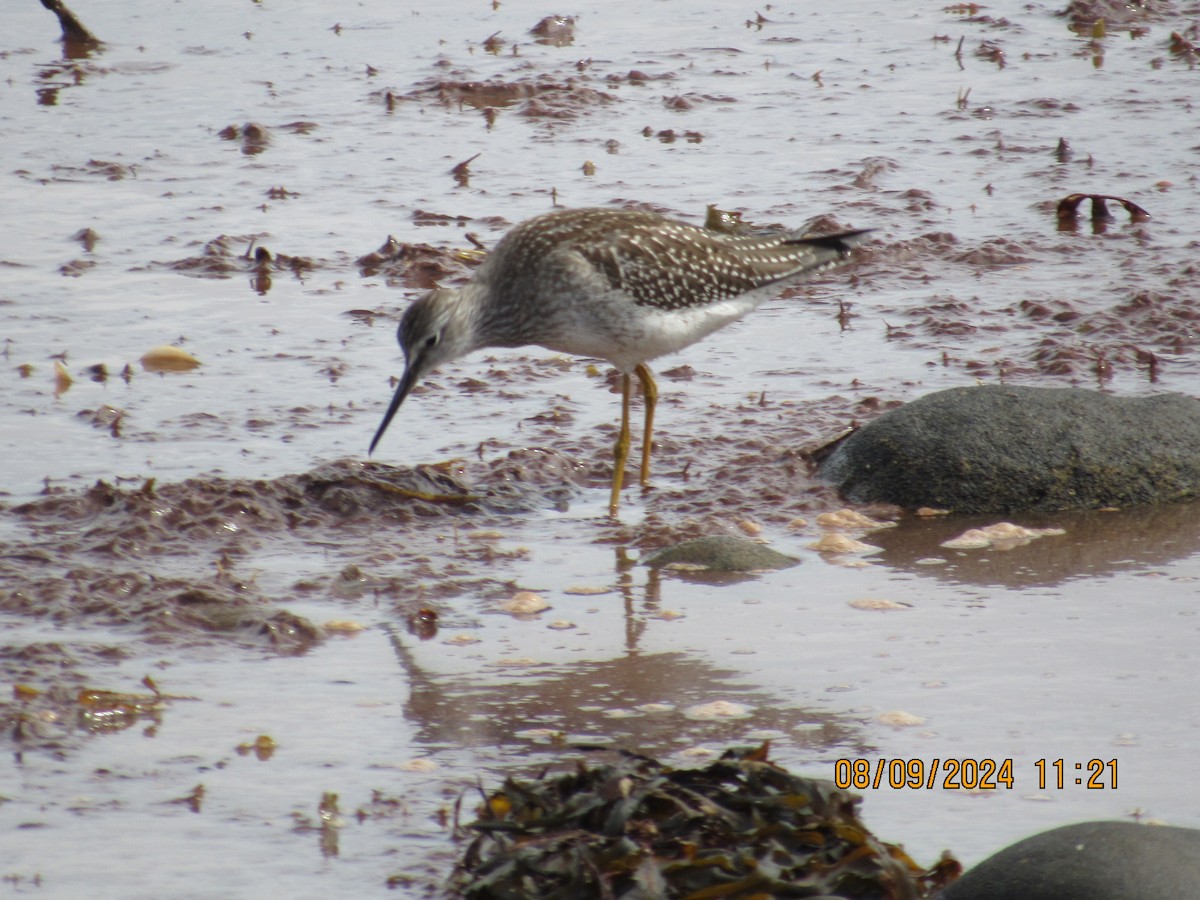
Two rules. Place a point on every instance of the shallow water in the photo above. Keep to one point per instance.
(1076, 647)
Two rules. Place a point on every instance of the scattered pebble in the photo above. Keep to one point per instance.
(877, 603)
(765, 734)
(849, 520)
(168, 359)
(418, 765)
(717, 709)
(462, 639)
(972, 539)
(561, 625)
(620, 714)
(484, 536)
(898, 718)
(839, 543)
(655, 707)
(1002, 535)
(540, 735)
(525, 603)
(344, 626)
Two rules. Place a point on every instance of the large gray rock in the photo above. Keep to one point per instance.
(1089, 861)
(999, 449)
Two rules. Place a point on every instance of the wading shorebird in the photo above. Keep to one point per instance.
(621, 285)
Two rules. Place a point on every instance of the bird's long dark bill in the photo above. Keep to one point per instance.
(407, 380)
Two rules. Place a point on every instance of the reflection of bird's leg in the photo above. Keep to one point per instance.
(621, 451)
(650, 393)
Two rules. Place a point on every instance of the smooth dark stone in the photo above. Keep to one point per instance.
(1089, 861)
(997, 449)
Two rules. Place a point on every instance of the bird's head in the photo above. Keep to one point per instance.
(436, 329)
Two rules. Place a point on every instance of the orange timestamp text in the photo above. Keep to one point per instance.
(970, 774)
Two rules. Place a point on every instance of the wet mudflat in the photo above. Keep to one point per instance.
(228, 185)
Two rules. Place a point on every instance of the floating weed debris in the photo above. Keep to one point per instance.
(193, 800)
(108, 711)
(62, 378)
(263, 747)
(423, 623)
(541, 735)
(1068, 209)
(739, 827)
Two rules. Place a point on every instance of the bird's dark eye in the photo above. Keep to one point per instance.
(431, 341)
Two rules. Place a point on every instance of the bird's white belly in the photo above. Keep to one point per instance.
(646, 332)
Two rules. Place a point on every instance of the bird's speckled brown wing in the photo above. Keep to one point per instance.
(675, 266)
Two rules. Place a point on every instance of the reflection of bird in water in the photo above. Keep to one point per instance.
(621, 285)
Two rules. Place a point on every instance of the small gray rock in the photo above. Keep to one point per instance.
(1089, 861)
(999, 449)
(722, 553)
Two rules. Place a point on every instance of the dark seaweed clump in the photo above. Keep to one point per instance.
(740, 827)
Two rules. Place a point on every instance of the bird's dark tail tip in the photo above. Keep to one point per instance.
(842, 242)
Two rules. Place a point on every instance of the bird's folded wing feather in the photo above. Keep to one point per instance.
(693, 269)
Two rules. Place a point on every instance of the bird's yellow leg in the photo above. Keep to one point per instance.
(621, 451)
(650, 392)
